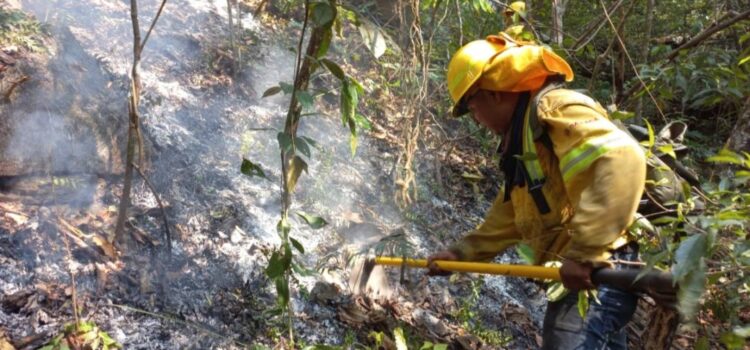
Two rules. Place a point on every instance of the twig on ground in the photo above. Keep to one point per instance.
(161, 206)
(74, 295)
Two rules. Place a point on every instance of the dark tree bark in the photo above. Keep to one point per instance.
(739, 139)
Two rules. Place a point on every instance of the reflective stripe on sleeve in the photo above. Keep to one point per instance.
(580, 158)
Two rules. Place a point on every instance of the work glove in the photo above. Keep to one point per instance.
(433, 269)
(576, 275)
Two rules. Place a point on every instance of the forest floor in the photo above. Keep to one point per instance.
(61, 179)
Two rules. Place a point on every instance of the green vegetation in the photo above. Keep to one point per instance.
(649, 62)
(19, 29)
(84, 335)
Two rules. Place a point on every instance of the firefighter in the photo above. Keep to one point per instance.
(573, 182)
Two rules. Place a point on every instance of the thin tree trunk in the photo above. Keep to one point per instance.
(558, 12)
(134, 138)
(135, 83)
(739, 139)
(595, 26)
(600, 59)
(239, 36)
(646, 52)
(232, 44)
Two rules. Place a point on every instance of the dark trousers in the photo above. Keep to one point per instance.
(604, 325)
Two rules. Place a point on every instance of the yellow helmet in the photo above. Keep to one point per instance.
(500, 63)
(466, 67)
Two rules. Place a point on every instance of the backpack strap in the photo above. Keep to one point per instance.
(553, 83)
(534, 131)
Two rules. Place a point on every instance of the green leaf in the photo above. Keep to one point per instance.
(528, 156)
(373, 37)
(322, 13)
(275, 266)
(86, 327)
(310, 141)
(325, 43)
(251, 169)
(689, 255)
(691, 290)
(556, 291)
(305, 99)
(286, 87)
(526, 253)
(668, 149)
(349, 101)
(583, 303)
(377, 337)
(107, 339)
(651, 137)
(282, 291)
(744, 60)
(353, 143)
(440, 347)
(297, 245)
(621, 115)
(334, 68)
(361, 89)
(727, 156)
(296, 166)
(315, 222)
(362, 122)
(283, 228)
(302, 271)
(302, 146)
(398, 337)
(285, 142)
(272, 91)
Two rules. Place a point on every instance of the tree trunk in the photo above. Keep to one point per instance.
(133, 123)
(646, 52)
(558, 11)
(231, 34)
(739, 139)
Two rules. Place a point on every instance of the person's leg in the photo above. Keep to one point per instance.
(563, 326)
(605, 322)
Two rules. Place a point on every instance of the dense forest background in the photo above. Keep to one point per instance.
(206, 174)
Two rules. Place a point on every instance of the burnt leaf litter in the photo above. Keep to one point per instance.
(60, 180)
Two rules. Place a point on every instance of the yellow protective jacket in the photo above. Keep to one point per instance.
(595, 176)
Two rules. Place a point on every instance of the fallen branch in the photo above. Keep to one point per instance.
(13, 86)
(74, 294)
(708, 32)
(161, 205)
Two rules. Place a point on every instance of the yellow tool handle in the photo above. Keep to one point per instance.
(530, 271)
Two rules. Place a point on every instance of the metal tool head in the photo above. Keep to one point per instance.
(368, 278)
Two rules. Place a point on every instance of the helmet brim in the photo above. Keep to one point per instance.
(459, 109)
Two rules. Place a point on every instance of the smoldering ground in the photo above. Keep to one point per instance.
(198, 122)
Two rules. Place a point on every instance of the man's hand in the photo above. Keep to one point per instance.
(434, 270)
(575, 275)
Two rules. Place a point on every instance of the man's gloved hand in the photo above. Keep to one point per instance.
(576, 276)
(434, 270)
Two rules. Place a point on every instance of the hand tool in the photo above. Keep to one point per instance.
(658, 284)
